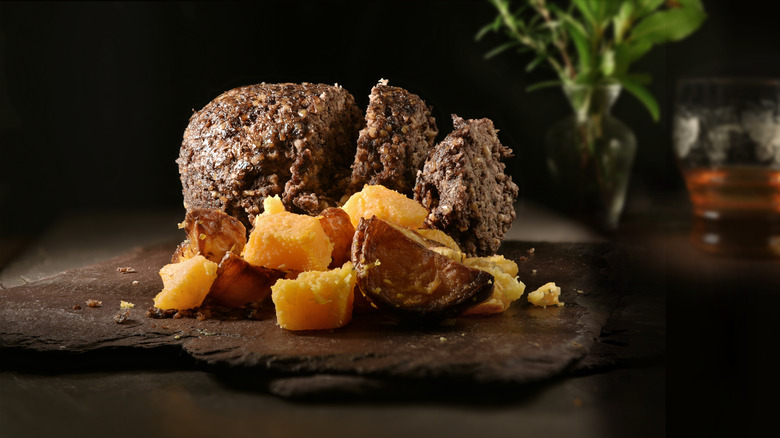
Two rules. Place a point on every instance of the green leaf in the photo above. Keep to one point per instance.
(597, 8)
(581, 44)
(627, 52)
(544, 84)
(604, 10)
(645, 7)
(495, 26)
(535, 63)
(671, 24)
(610, 8)
(517, 15)
(584, 7)
(501, 49)
(607, 64)
(622, 20)
(643, 94)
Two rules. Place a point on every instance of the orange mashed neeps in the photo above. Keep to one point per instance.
(287, 241)
(315, 299)
(386, 204)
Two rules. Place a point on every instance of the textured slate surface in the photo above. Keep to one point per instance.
(525, 344)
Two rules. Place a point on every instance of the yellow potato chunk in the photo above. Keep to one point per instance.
(546, 295)
(272, 205)
(507, 288)
(315, 300)
(386, 204)
(288, 241)
(186, 283)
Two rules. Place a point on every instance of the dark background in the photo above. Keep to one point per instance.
(94, 97)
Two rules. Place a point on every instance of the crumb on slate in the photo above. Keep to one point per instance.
(155, 312)
(94, 303)
(119, 318)
(125, 270)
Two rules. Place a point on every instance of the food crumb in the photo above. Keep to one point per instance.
(154, 312)
(135, 282)
(202, 315)
(119, 318)
(546, 295)
(531, 251)
(94, 303)
(126, 305)
(177, 337)
(533, 271)
(76, 307)
(125, 270)
(443, 339)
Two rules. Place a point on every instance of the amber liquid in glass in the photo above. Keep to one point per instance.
(736, 210)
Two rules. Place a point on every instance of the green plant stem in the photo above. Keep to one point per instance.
(560, 44)
(509, 22)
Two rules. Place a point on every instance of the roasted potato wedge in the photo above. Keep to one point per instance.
(397, 272)
(211, 233)
(238, 283)
(338, 227)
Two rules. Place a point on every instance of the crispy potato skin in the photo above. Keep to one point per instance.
(338, 226)
(238, 283)
(398, 273)
(211, 233)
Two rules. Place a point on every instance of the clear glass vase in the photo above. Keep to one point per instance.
(590, 155)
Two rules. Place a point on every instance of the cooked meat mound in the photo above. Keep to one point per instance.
(393, 145)
(465, 189)
(292, 140)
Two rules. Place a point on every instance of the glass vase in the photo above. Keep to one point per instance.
(590, 154)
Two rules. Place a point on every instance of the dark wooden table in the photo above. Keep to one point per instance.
(717, 311)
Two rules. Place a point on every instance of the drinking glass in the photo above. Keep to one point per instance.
(726, 137)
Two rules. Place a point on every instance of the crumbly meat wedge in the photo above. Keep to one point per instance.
(392, 147)
(292, 140)
(464, 186)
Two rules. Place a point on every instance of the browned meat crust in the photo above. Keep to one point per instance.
(292, 140)
(465, 189)
(393, 145)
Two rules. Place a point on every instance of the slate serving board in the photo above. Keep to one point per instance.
(525, 344)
